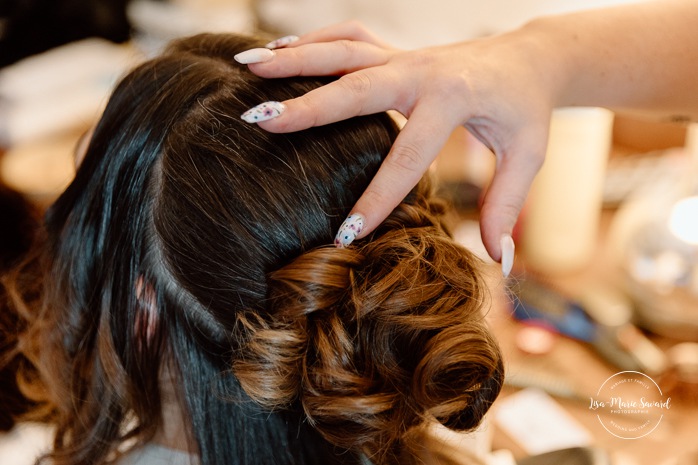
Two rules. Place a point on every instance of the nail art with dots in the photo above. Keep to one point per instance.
(282, 42)
(348, 231)
(263, 112)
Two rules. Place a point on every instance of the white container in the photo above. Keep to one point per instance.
(562, 215)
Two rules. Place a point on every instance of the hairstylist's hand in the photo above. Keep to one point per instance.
(490, 86)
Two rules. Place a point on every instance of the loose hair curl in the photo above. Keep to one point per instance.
(377, 339)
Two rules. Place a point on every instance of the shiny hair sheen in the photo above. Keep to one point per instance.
(284, 349)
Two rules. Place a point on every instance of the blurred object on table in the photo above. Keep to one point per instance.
(33, 26)
(538, 423)
(571, 456)
(561, 221)
(681, 380)
(67, 86)
(638, 134)
(41, 169)
(686, 459)
(463, 170)
(49, 99)
(599, 316)
(628, 175)
(157, 22)
(538, 374)
(655, 240)
(59, 90)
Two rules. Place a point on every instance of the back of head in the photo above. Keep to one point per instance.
(192, 237)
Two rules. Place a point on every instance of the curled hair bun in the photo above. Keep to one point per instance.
(374, 340)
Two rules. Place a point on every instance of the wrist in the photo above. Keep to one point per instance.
(547, 53)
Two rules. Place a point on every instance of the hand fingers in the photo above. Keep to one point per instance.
(323, 59)
(507, 193)
(360, 93)
(415, 148)
(347, 30)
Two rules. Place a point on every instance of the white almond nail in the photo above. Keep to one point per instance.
(263, 112)
(507, 245)
(350, 228)
(256, 55)
(282, 42)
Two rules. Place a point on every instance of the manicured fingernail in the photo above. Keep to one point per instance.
(256, 55)
(282, 42)
(507, 245)
(348, 231)
(263, 112)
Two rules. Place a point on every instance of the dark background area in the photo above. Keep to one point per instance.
(28, 27)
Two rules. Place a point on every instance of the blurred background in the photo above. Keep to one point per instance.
(606, 272)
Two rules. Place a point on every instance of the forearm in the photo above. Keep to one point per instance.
(640, 57)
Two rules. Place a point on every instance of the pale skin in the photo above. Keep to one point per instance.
(640, 58)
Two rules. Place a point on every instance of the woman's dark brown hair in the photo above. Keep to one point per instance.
(193, 240)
